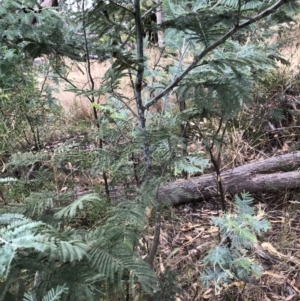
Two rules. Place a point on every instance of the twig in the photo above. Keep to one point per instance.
(151, 256)
(208, 49)
(92, 100)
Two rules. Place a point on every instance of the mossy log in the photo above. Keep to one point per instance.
(276, 174)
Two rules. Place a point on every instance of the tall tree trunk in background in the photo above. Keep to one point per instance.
(49, 3)
(159, 19)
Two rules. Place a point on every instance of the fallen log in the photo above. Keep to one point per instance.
(269, 175)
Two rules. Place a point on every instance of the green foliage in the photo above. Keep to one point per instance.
(27, 159)
(112, 248)
(19, 233)
(101, 256)
(89, 247)
(114, 263)
(71, 210)
(25, 106)
(224, 83)
(168, 286)
(190, 164)
(230, 260)
(7, 180)
(21, 123)
(53, 295)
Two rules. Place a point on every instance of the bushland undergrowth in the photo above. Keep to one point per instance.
(81, 218)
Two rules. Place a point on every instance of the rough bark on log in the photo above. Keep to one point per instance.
(274, 174)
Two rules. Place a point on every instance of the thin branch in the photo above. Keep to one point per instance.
(69, 82)
(87, 51)
(122, 7)
(216, 164)
(208, 49)
(151, 256)
(92, 100)
(277, 130)
(44, 81)
(124, 103)
(161, 52)
(178, 68)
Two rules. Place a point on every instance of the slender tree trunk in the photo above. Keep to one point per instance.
(92, 99)
(142, 126)
(159, 20)
(138, 85)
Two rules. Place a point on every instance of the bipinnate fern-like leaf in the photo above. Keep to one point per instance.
(8, 218)
(140, 270)
(229, 260)
(55, 293)
(216, 276)
(37, 202)
(190, 164)
(126, 215)
(20, 233)
(71, 250)
(27, 159)
(224, 81)
(113, 263)
(67, 246)
(82, 281)
(111, 253)
(218, 256)
(29, 297)
(74, 207)
(8, 179)
(52, 295)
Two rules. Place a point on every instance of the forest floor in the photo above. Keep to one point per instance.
(187, 231)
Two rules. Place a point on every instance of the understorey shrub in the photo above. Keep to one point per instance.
(231, 259)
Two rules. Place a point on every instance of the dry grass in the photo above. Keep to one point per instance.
(290, 50)
(78, 106)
